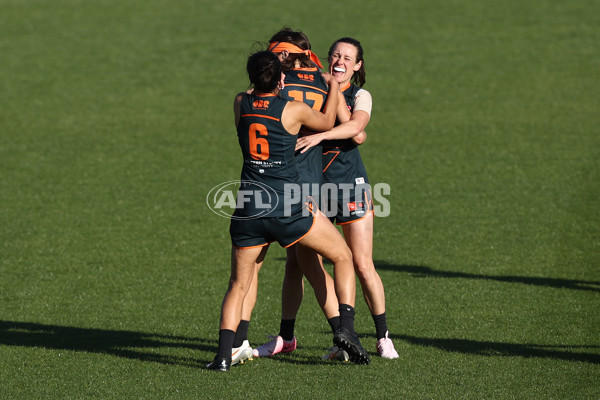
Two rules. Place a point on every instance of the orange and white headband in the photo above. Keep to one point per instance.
(278, 47)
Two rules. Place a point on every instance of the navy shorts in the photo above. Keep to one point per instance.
(349, 209)
(258, 232)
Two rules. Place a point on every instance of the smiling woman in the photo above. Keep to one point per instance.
(346, 61)
(343, 166)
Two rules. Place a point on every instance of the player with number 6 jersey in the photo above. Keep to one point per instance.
(268, 150)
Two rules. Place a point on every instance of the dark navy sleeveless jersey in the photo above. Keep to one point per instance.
(269, 161)
(341, 159)
(309, 86)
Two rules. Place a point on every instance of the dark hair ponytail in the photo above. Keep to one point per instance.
(360, 77)
(264, 71)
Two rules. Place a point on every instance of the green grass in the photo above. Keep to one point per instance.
(116, 122)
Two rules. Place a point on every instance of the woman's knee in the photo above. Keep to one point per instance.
(365, 269)
(238, 287)
(343, 254)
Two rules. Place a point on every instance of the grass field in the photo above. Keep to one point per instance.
(116, 122)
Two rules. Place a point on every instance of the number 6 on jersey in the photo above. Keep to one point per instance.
(259, 146)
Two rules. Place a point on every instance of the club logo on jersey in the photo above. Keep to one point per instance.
(306, 77)
(260, 104)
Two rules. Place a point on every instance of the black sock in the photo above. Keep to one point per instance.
(380, 325)
(347, 317)
(225, 343)
(334, 323)
(286, 328)
(241, 333)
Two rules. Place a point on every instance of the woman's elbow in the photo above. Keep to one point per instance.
(360, 138)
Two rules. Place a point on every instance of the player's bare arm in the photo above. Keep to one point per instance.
(349, 129)
(236, 107)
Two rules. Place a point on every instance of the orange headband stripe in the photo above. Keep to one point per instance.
(278, 47)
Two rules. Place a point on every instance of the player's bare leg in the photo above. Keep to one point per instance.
(243, 266)
(251, 296)
(292, 291)
(323, 285)
(359, 236)
(242, 350)
(325, 239)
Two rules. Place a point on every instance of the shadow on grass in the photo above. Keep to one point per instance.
(499, 349)
(145, 346)
(420, 271)
(128, 344)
